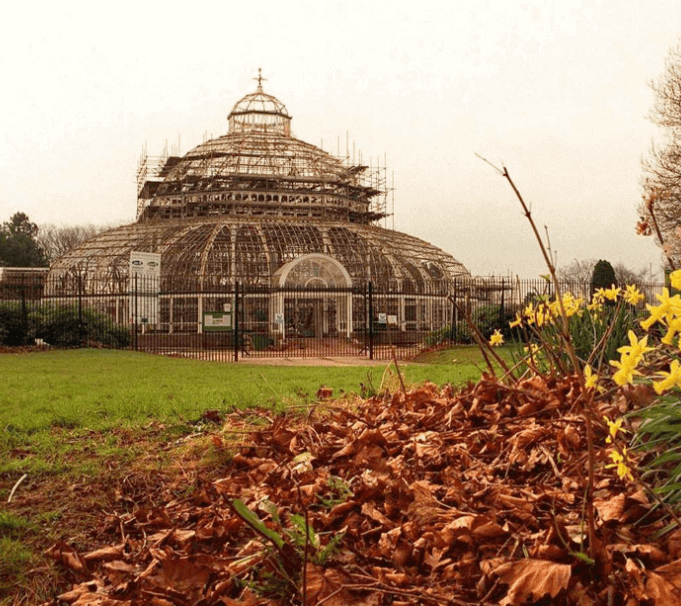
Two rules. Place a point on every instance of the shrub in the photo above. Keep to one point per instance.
(493, 317)
(59, 325)
(487, 319)
(462, 335)
(13, 328)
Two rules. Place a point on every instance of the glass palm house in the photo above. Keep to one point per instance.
(298, 229)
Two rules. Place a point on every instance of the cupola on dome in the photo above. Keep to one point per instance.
(259, 113)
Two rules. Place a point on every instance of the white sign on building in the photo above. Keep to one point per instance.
(145, 265)
(144, 287)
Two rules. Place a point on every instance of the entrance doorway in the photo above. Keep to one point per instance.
(324, 308)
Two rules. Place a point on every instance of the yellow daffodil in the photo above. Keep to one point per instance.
(633, 295)
(598, 296)
(671, 378)
(675, 279)
(631, 356)
(517, 322)
(626, 370)
(543, 315)
(571, 305)
(668, 308)
(532, 350)
(536, 315)
(612, 293)
(614, 427)
(496, 339)
(590, 377)
(636, 349)
(595, 306)
(673, 327)
(619, 462)
(528, 313)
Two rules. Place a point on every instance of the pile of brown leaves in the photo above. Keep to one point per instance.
(429, 497)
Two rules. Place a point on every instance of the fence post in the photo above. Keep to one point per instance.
(453, 326)
(501, 305)
(236, 321)
(371, 321)
(134, 318)
(80, 308)
(24, 311)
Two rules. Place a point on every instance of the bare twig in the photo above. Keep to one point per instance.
(650, 205)
(397, 368)
(567, 342)
(328, 597)
(19, 481)
(547, 454)
(497, 169)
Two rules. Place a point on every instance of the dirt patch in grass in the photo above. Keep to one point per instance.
(69, 507)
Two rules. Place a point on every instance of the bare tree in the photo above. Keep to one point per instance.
(56, 240)
(661, 206)
(626, 276)
(579, 271)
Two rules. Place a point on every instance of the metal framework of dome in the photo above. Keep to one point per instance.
(263, 208)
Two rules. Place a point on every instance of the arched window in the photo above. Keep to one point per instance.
(313, 270)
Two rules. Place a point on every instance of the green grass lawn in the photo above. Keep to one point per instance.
(99, 388)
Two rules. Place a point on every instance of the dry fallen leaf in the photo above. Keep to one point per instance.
(661, 591)
(610, 509)
(327, 585)
(532, 579)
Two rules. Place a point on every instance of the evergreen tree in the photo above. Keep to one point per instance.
(603, 276)
(18, 243)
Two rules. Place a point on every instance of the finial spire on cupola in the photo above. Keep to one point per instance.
(260, 80)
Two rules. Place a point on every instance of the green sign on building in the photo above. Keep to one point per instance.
(217, 320)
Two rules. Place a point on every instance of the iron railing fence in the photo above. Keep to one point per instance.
(240, 321)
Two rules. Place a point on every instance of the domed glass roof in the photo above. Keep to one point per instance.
(259, 251)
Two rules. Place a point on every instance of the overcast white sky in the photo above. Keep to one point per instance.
(556, 90)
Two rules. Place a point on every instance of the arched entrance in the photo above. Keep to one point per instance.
(313, 298)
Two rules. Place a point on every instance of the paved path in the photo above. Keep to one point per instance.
(335, 361)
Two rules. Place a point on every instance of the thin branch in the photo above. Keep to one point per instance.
(498, 170)
(19, 481)
(397, 368)
(651, 210)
